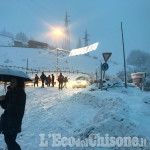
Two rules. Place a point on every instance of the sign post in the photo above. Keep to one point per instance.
(138, 79)
(105, 66)
(101, 80)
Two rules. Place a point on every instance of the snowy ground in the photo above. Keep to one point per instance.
(81, 112)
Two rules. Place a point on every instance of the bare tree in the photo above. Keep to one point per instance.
(21, 37)
(138, 58)
(79, 44)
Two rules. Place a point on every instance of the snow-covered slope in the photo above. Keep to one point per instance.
(6, 41)
(43, 60)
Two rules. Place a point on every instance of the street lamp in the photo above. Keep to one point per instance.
(57, 32)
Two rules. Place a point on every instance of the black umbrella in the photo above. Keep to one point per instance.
(7, 74)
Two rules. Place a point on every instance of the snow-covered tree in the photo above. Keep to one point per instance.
(138, 58)
(21, 37)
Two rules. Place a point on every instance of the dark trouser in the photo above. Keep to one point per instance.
(42, 84)
(60, 86)
(36, 84)
(10, 140)
(52, 83)
(49, 83)
(65, 85)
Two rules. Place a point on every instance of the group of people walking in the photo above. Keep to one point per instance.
(51, 80)
(45, 80)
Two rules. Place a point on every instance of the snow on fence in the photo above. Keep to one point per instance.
(35, 71)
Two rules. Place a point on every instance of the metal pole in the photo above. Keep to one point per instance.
(57, 55)
(104, 75)
(101, 80)
(125, 75)
(101, 84)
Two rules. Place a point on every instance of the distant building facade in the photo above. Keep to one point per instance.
(36, 44)
(18, 44)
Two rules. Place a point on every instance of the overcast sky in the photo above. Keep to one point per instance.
(101, 18)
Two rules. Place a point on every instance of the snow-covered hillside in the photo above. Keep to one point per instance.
(43, 60)
(6, 41)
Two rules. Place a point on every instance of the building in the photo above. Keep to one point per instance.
(36, 44)
(18, 44)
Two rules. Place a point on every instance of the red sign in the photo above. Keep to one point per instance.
(106, 56)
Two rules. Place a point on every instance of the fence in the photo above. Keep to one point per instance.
(35, 71)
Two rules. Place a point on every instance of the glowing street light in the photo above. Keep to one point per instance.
(58, 32)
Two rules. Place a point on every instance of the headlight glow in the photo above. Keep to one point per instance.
(84, 82)
(73, 82)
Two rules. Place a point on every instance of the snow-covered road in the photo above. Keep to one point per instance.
(81, 112)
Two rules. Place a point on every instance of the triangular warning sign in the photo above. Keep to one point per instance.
(106, 56)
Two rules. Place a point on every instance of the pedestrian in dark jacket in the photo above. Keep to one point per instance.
(49, 80)
(65, 82)
(53, 79)
(36, 80)
(60, 80)
(43, 78)
(14, 105)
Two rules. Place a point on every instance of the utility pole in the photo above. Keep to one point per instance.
(86, 40)
(66, 38)
(125, 75)
(57, 56)
(79, 44)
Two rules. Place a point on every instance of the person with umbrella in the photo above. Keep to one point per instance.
(13, 104)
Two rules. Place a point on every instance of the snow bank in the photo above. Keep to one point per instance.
(6, 41)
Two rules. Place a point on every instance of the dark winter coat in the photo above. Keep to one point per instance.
(14, 105)
(36, 79)
(65, 79)
(60, 78)
(52, 78)
(43, 77)
(49, 79)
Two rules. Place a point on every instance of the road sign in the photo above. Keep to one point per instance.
(105, 66)
(106, 56)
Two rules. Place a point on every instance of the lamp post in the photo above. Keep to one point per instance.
(57, 32)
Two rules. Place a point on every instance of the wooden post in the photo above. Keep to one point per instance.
(125, 75)
(101, 80)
